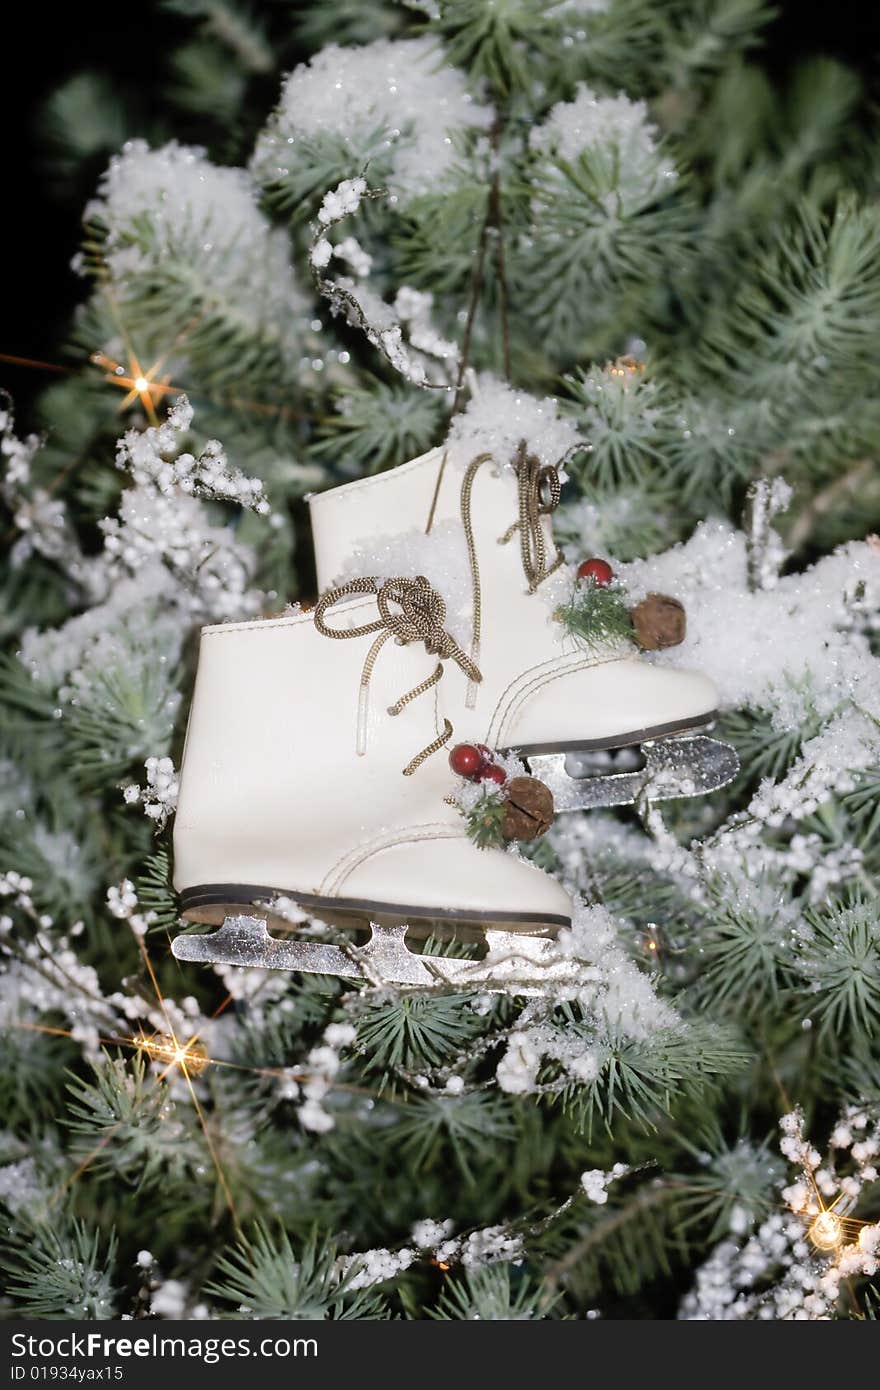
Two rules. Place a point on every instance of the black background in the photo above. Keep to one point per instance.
(41, 45)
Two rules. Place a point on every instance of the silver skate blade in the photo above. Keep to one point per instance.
(246, 941)
(515, 964)
(673, 767)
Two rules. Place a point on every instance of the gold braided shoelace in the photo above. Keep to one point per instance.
(538, 492)
(410, 610)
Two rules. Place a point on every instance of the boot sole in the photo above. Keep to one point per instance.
(210, 903)
(597, 745)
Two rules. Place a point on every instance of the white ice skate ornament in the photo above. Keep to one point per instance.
(316, 768)
(515, 964)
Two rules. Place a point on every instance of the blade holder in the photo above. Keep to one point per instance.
(674, 767)
(516, 964)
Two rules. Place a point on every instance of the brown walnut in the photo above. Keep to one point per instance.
(659, 621)
(528, 809)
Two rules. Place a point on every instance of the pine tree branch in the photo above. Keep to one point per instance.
(659, 1192)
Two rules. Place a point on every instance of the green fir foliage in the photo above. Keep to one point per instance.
(485, 819)
(500, 1293)
(596, 615)
(265, 1278)
(64, 1273)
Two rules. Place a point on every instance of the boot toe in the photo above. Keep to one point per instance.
(451, 879)
(673, 693)
(642, 697)
(607, 701)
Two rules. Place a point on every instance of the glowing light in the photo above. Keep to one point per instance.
(826, 1232)
(145, 387)
(830, 1228)
(140, 384)
(192, 1056)
(651, 942)
(625, 367)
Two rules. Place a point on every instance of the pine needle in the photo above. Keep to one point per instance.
(484, 821)
(597, 615)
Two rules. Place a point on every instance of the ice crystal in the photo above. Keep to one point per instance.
(370, 1267)
(427, 1235)
(342, 201)
(122, 903)
(316, 1076)
(595, 1182)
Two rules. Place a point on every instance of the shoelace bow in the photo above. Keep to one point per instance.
(410, 610)
(538, 492)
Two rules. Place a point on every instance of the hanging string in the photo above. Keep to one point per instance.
(496, 215)
(492, 220)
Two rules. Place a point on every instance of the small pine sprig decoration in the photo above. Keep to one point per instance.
(597, 613)
(485, 820)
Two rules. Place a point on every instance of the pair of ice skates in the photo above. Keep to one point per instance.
(315, 776)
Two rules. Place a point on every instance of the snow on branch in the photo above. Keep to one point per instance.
(800, 647)
(171, 212)
(40, 517)
(145, 455)
(621, 144)
(166, 563)
(499, 416)
(159, 797)
(160, 520)
(793, 1266)
(392, 101)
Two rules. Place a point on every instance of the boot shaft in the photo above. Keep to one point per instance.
(479, 529)
(418, 497)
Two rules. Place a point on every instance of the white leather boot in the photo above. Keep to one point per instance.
(543, 693)
(315, 771)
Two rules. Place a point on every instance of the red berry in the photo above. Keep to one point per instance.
(599, 571)
(466, 761)
(487, 755)
(491, 772)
